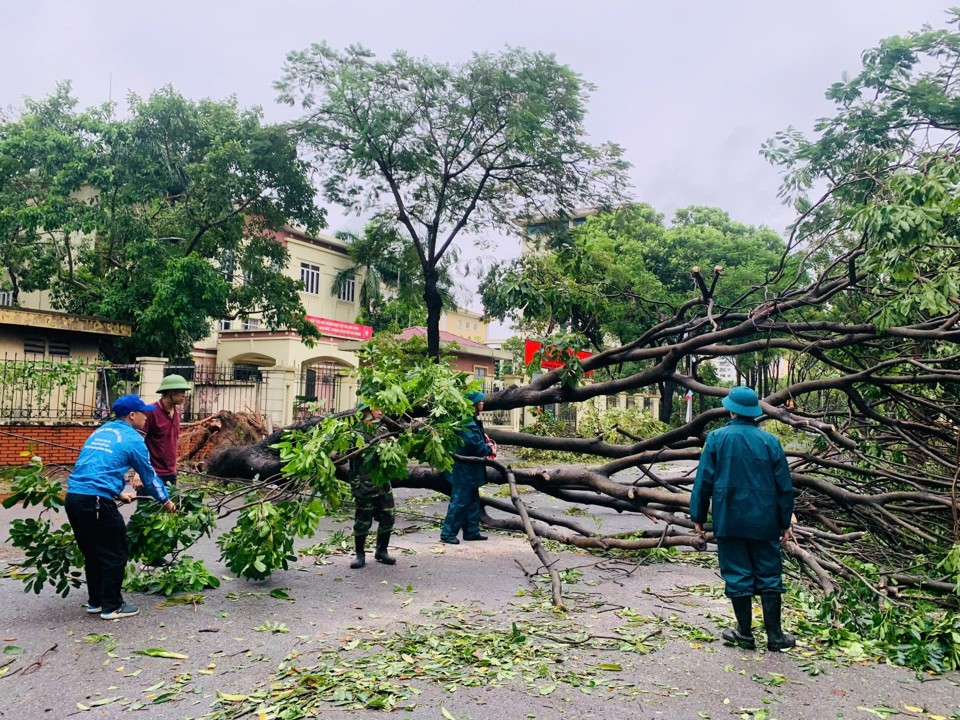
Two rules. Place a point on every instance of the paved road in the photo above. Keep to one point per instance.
(477, 583)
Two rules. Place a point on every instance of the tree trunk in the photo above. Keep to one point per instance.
(667, 389)
(431, 296)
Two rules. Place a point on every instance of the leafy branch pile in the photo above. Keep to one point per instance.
(386, 670)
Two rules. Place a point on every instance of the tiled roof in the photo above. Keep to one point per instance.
(445, 337)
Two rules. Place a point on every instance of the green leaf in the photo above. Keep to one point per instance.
(106, 701)
(161, 653)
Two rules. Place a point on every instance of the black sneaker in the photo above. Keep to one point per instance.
(450, 541)
(92, 609)
(475, 538)
(125, 610)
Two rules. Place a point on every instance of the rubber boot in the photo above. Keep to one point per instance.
(359, 541)
(777, 639)
(383, 540)
(742, 634)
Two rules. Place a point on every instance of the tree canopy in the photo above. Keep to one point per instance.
(610, 279)
(620, 271)
(448, 149)
(165, 218)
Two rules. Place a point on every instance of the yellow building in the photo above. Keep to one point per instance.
(315, 260)
(464, 323)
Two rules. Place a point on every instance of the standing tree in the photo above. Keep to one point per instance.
(154, 219)
(391, 294)
(43, 168)
(448, 149)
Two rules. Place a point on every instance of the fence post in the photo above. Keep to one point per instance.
(151, 375)
(278, 400)
(654, 400)
(516, 414)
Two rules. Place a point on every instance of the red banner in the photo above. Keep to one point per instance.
(340, 329)
(530, 348)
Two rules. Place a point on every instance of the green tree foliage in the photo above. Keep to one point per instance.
(880, 177)
(51, 553)
(621, 272)
(391, 291)
(44, 159)
(165, 218)
(447, 149)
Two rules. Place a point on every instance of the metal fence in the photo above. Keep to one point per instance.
(236, 388)
(323, 389)
(47, 390)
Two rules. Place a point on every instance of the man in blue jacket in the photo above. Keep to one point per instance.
(744, 470)
(93, 489)
(466, 479)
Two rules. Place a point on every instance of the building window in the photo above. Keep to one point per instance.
(480, 371)
(475, 326)
(34, 346)
(310, 277)
(250, 324)
(246, 372)
(225, 324)
(6, 298)
(228, 262)
(347, 290)
(459, 323)
(58, 349)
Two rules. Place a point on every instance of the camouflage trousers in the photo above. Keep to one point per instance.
(370, 508)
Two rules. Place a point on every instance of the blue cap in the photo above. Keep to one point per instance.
(126, 404)
(475, 396)
(743, 401)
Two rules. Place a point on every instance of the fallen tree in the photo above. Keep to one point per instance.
(863, 307)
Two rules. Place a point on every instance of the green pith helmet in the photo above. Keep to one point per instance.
(173, 382)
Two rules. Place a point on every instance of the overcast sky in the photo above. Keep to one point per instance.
(690, 89)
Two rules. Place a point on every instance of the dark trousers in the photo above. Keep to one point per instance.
(463, 512)
(750, 567)
(370, 508)
(471, 516)
(102, 537)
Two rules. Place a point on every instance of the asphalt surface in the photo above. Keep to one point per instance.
(70, 661)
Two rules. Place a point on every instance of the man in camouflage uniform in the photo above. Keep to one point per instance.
(371, 501)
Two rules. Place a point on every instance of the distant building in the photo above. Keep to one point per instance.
(46, 335)
(465, 323)
(726, 368)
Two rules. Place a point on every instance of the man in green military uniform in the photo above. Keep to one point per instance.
(371, 501)
(744, 470)
(466, 479)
